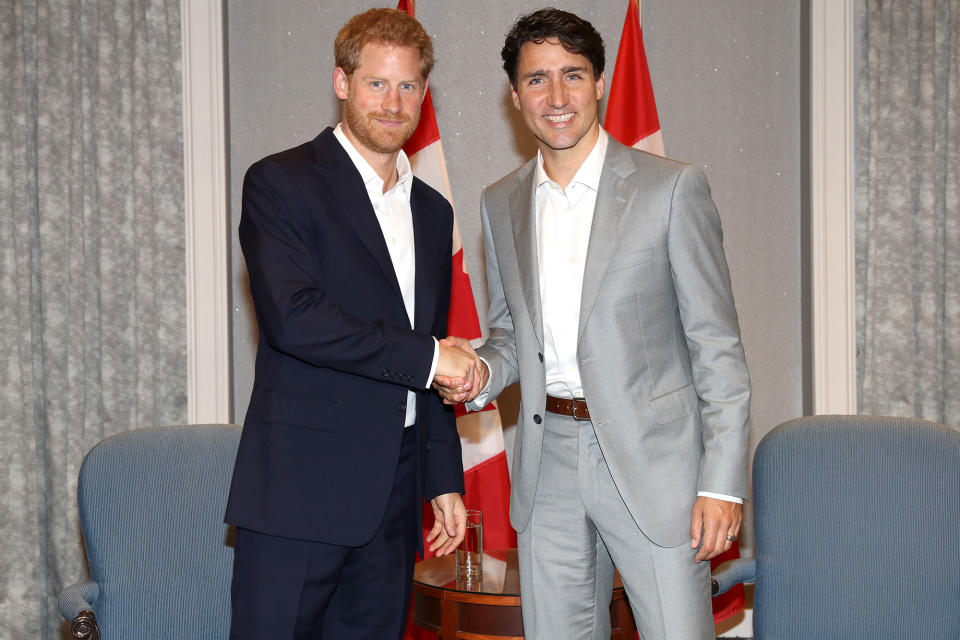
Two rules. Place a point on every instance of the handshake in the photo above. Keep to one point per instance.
(460, 374)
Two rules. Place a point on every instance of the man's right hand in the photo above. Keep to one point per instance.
(457, 389)
(456, 366)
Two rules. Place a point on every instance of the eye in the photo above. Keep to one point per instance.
(573, 76)
(376, 84)
(536, 80)
(408, 86)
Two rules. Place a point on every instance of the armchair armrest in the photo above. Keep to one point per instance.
(76, 605)
(733, 572)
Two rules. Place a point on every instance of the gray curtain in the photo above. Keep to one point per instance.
(908, 209)
(91, 268)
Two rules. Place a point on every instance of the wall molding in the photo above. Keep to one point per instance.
(833, 257)
(205, 213)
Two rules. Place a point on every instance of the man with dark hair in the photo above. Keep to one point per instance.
(610, 302)
(349, 258)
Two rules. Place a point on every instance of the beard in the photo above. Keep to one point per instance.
(375, 137)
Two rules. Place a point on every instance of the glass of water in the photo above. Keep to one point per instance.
(470, 551)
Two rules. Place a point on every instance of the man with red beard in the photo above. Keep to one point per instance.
(349, 259)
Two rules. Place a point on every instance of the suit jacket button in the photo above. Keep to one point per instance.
(386, 373)
(401, 406)
(537, 418)
(540, 355)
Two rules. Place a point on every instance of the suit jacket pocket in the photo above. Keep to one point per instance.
(628, 259)
(310, 412)
(674, 404)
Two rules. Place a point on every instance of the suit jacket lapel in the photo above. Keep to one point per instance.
(348, 189)
(608, 217)
(523, 214)
(425, 287)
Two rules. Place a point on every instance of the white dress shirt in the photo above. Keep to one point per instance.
(396, 223)
(564, 218)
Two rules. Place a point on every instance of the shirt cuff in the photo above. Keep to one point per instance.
(481, 400)
(436, 359)
(720, 496)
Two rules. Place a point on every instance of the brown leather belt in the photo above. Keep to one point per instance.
(574, 407)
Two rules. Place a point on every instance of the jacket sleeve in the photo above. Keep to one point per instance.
(287, 287)
(709, 318)
(444, 468)
(500, 349)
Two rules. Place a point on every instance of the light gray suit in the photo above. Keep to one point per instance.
(659, 351)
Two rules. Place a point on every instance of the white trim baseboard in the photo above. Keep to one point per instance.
(205, 213)
(832, 123)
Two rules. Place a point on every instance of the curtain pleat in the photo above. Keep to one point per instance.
(93, 267)
(908, 209)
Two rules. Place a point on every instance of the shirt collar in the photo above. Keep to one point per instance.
(589, 172)
(367, 173)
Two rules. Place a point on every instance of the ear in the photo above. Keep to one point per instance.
(600, 85)
(341, 83)
(516, 98)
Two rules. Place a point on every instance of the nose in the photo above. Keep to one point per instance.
(557, 95)
(391, 101)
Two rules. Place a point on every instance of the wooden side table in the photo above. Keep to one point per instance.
(487, 609)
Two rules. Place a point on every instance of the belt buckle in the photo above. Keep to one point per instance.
(573, 411)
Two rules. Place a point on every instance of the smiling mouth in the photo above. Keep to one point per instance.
(563, 117)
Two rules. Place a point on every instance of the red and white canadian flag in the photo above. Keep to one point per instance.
(485, 474)
(486, 478)
(631, 110)
(481, 435)
(632, 119)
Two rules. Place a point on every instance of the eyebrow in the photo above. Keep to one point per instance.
(372, 78)
(564, 71)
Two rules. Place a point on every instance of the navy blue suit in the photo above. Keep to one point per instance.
(336, 355)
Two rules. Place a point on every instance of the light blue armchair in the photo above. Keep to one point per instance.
(857, 522)
(151, 509)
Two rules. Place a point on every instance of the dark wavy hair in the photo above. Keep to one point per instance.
(575, 34)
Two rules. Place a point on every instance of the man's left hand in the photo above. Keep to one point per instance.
(713, 523)
(449, 523)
